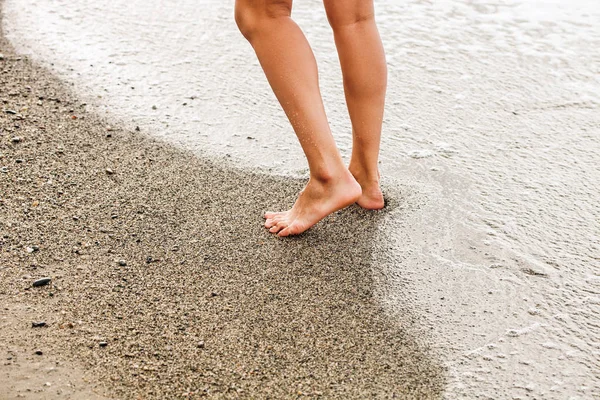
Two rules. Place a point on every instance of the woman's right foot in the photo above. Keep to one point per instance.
(372, 197)
(316, 201)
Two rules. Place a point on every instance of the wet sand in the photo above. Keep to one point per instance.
(164, 282)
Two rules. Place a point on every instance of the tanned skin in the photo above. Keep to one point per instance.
(291, 69)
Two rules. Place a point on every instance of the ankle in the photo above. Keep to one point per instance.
(363, 175)
(327, 176)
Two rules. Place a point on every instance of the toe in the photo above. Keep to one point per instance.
(278, 226)
(274, 221)
(285, 232)
(271, 214)
(294, 228)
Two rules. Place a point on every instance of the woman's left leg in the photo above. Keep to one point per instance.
(365, 79)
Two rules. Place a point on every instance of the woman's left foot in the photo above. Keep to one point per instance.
(318, 199)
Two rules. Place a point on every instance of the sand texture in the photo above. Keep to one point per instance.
(164, 282)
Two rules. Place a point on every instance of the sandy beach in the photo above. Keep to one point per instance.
(140, 144)
(164, 284)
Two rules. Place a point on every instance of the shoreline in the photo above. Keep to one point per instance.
(162, 256)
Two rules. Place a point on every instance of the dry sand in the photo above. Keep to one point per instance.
(162, 256)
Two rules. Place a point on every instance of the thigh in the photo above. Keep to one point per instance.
(346, 12)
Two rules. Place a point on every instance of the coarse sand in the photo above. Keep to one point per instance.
(164, 282)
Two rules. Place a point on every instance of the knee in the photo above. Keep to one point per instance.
(245, 18)
(340, 18)
(251, 17)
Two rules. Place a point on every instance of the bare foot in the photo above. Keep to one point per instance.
(316, 201)
(371, 198)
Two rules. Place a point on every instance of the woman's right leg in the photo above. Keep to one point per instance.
(291, 69)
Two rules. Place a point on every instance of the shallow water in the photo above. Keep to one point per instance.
(493, 115)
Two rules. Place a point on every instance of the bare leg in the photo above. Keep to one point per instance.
(291, 70)
(364, 68)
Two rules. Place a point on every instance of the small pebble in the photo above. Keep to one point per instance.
(200, 345)
(4, 170)
(109, 171)
(42, 282)
(39, 352)
(38, 324)
(13, 112)
(122, 263)
(16, 139)
(103, 344)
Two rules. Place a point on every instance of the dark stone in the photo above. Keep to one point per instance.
(42, 282)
